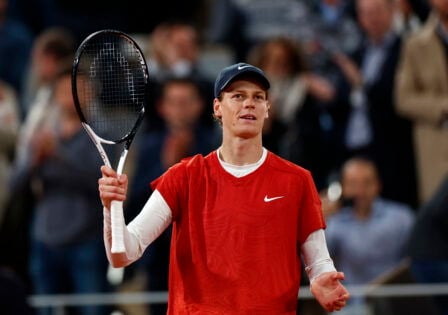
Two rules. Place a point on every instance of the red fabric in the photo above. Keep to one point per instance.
(232, 252)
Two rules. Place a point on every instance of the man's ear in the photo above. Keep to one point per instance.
(268, 108)
(217, 108)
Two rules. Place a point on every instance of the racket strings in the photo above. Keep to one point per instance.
(111, 81)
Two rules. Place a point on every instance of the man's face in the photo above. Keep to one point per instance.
(181, 105)
(243, 108)
(277, 61)
(360, 183)
(375, 17)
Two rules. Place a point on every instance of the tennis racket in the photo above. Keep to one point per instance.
(109, 87)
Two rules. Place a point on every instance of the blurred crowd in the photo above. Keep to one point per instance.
(359, 94)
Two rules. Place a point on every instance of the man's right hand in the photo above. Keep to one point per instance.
(112, 186)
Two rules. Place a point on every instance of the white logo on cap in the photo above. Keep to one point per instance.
(242, 67)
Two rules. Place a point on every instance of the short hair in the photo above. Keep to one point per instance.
(57, 41)
(180, 80)
(360, 159)
(296, 55)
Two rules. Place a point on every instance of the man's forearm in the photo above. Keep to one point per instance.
(316, 256)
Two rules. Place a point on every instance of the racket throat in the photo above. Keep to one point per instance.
(123, 156)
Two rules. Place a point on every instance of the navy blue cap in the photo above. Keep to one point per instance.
(230, 73)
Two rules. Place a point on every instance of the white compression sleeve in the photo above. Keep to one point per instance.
(315, 255)
(154, 218)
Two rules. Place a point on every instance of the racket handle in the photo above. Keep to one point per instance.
(117, 224)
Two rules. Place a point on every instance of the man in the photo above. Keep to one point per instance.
(422, 96)
(367, 237)
(374, 218)
(174, 53)
(367, 117)
(66, 257)
(240, 215)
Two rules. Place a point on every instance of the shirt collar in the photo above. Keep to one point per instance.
(385, 42)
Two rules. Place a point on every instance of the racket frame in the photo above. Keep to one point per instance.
(117, 217)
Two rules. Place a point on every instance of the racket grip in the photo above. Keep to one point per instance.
(117, 224)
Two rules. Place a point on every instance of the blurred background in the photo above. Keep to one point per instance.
(359, 93)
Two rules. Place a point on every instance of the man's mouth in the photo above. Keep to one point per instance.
(248, 117)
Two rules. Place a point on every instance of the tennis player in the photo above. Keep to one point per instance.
(242, 217)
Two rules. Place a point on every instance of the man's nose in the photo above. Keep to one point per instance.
(249, 102)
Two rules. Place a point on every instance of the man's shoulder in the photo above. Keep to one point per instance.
(188, 167)
(284, 165)
(279, 161)
(400, 206)
(396, 209)
(343, 216)
(196, 160)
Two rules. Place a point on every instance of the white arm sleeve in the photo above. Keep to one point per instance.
(154, 218)
(315, 255)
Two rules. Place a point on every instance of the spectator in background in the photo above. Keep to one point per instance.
(67, 254)
(13, 273)
(408, 16)
(334, 30)
(173, 52)
(428, 244)
(323, 26)
(241, 24)
(298, 98)
(366, 117)
(422, 96)
(181, 104)
(15, 46)
(367, 236)
(9, 129)
(51, 48)
(83, 17)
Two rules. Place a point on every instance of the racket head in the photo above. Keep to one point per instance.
(110, 85)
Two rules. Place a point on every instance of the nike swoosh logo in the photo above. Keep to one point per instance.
(266, 199)
(242, 67)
